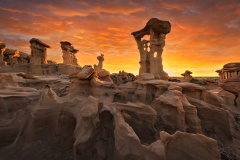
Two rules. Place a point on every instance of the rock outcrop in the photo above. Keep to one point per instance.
(176, 113)
(38, 51)
(60, 128)
(229, 70)
(151, 50)
(187, 76)
(69, 52)
(100, 62)
(194, 144)
(122, 77)
(11, 56)
(232, 85)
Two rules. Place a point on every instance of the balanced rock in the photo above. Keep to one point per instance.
(187, 76)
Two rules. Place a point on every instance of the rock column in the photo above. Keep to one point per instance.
(2, 49)
(69, 52)
(38, 51)
(100, 61)
(151, 50)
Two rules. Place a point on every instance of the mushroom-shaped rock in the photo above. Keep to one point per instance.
(187, 76)
(151, 50)
(69, 53)
(38, 51)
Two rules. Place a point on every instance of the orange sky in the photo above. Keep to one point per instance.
(205, 34)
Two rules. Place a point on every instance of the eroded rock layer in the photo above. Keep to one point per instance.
(86, 118)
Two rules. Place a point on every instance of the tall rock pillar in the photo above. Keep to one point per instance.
(151, 50)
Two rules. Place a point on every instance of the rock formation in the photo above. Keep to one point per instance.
(79, 113)
(38, 51)
(232, 85)
(151, 50)
(229, 70)
(88, 117)
(69, 52)
(187, 76)
(37, 63)
(122, 77)
(11, 56)
(100, 62)
(2, 49)
(84, 127)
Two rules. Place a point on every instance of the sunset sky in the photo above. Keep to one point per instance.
(205, 34)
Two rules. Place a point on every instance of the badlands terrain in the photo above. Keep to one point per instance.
(51, 111)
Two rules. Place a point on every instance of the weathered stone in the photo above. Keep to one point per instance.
(188, 146)
(69, 52)
(151, 61)
(146, 77)
(187, 76)
(229, 70)
(38, 51)
(232, 85)
(100, 62)
(122, 77)
(87, 72)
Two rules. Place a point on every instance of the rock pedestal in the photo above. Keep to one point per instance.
(151, 50)
(100, 61)
(38, 51)
(68, 53)
(187, 76)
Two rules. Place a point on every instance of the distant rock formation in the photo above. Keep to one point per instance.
(12, 60)
(187, 76)
(38, 51)
(13, 57)
(122, 77)
(232, 85)
(229, 70)
(151, 50)
(100, 62)
(69, 52)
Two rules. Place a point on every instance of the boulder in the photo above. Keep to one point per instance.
(86, 73)
(188, 146)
